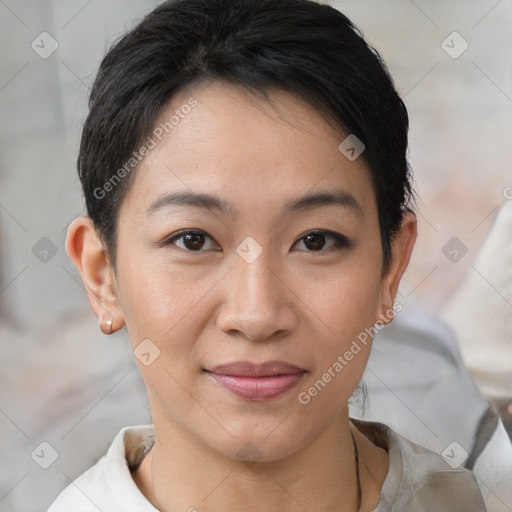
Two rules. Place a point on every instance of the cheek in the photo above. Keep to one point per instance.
(348, 311)
(355, 307)
(345, 300)
(158, 301)
(163, 312)
(347, 304)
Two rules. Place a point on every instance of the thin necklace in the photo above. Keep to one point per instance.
(357, 472)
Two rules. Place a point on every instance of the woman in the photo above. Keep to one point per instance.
(247, 188)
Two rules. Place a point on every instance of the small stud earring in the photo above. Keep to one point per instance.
(109, 325)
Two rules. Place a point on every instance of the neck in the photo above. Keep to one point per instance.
(182, 473)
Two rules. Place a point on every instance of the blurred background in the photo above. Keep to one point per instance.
(62, 382)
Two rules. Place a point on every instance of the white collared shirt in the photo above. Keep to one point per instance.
(418, 479)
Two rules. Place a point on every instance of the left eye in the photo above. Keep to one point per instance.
(193, 241)
(315, 241)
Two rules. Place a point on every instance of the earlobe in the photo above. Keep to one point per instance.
(85, 249)
(402, 246)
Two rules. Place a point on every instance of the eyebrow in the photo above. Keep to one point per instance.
(209, 202)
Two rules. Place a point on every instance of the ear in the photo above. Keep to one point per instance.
(401, 248)
(91, 259)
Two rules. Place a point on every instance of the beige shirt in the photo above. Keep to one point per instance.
(418, 480)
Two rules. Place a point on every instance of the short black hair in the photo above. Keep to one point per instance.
(298, 46)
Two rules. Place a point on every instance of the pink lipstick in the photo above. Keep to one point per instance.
(257, 382)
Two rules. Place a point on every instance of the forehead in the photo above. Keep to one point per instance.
(221, 139)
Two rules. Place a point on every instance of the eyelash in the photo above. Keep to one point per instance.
(341, 242)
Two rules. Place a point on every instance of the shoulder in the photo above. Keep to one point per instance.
(108, 485)
(421, 480)
(88, 492)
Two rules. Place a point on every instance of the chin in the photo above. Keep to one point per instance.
(260, 441)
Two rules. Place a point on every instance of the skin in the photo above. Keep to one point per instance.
(209, 307)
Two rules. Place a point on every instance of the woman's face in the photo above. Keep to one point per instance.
(268, 276)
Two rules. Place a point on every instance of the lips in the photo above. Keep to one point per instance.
(257, 382)
(247, 369)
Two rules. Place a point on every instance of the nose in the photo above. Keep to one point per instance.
(257, 301)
